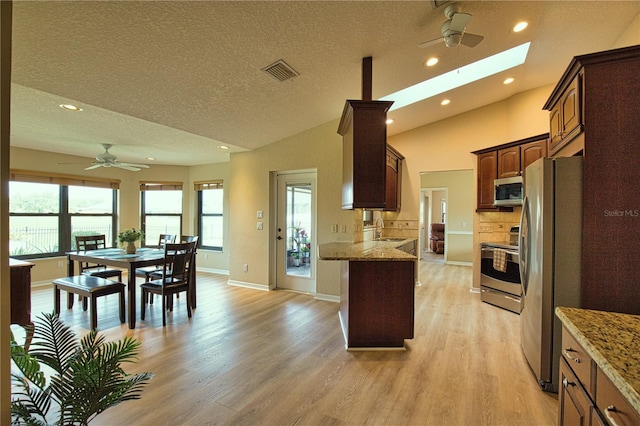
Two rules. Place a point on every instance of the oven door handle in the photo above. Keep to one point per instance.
(511, 252)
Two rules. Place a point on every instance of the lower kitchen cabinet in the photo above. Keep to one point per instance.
(587, 396)
(377, 303)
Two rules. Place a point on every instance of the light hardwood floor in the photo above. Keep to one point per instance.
(249, 357)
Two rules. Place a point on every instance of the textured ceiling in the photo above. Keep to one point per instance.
(174, 80)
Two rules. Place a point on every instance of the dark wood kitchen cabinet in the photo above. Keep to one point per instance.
(565, 116)
(504, 161)
(393, 179)
(363, 129)
(608, 87)
(586, 396)
(487, 173)
(377, 303)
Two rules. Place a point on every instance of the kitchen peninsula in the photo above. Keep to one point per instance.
(376, 292)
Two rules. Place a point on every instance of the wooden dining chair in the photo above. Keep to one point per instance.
(95, 242)
(162, 241)
(156, 274)
(175, 278)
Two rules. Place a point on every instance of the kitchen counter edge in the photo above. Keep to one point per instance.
(612, 340)
(367, 250)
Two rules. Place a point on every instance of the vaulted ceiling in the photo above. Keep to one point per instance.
(175, 80)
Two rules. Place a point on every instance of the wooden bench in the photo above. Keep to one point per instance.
(89, 287)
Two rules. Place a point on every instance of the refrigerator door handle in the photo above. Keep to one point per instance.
(523, 245)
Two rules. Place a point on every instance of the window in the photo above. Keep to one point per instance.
(161, 205)
(210, 214)
(47, 211)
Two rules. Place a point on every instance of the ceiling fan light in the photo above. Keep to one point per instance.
(453, 40)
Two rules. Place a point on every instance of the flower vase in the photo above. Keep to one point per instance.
(131, 248)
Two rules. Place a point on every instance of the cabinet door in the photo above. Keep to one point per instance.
(509, 162)
(393, 182)
(574, 405)
(555, 127)
(570, 109)
(530, 152)
(487, 172)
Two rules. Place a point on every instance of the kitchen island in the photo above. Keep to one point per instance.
(376, 291)
(601, 355)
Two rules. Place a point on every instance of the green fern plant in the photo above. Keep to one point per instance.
(81, 379)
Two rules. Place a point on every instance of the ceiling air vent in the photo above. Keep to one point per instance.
(280, 71)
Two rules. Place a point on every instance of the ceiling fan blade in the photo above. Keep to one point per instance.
(140, 166)
(126, 167)
(471, 40)
(459, 22)
(95, 166)
(431, 42)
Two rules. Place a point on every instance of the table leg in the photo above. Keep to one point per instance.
(70, 267)
(131, 298)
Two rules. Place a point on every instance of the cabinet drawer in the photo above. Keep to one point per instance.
(612, 404)
(577, 359)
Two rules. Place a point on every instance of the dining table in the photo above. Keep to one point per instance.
(119, 258)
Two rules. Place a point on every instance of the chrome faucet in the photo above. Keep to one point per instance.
(379, 227)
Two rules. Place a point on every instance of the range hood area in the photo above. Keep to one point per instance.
(363, 129)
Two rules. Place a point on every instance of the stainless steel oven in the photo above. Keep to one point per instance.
(501, 286)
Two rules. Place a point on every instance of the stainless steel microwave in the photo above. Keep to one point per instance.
(508, 191)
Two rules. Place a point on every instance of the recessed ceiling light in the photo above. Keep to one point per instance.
(431, 62)
(508, 80)
(223, 147)
(151, 158)
(70, 107)
(445, 102)
(520, 26)
(459, 77)
(389, 120)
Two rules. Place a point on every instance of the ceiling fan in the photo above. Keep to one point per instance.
(107, 159)
(454, 30)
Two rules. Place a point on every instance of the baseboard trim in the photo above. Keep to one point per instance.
(213, 271)
(327, 297)
(245, 284)
(453, 262)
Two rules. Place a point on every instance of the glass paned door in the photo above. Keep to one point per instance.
(295, 232)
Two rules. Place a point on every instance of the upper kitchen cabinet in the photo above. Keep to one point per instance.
(487, 172)
(393, 179)
(513, 160)
(565, 116)
(364, 154)
(505, 161)
(609, 104)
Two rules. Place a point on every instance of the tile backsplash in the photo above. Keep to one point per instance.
(494, 227)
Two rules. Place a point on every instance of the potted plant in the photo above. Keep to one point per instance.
(305, 253)
(80, 379)
(296, 258)
(130, 236)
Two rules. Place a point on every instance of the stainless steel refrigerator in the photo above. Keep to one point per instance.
(550, 243)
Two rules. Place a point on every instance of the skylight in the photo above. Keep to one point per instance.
(459, 77)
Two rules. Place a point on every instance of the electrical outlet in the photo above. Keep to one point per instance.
(343, 229)
(245, 267)
(259, 226)
(60, 264)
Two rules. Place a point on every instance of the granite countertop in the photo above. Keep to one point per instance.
(613, 342)
(368, 250)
